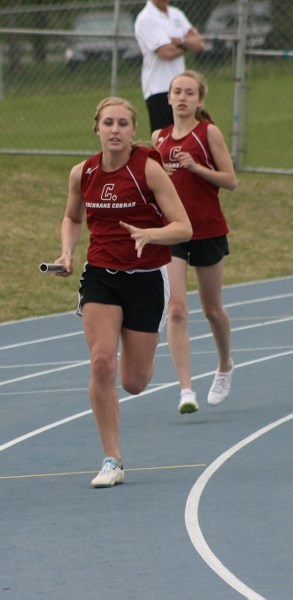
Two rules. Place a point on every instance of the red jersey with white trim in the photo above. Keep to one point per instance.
(200, 197)
(121, 195)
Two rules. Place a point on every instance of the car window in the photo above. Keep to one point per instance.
(103, 23)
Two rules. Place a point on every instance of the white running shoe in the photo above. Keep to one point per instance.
(220, 387)
(188, 402)
(110, 474)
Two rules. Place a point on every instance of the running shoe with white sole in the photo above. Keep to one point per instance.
(188, 402)
(220, 387)
(110, 474)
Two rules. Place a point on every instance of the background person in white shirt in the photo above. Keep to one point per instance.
(163, 34)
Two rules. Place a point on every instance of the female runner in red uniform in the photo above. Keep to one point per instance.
(128, 198)
(199, 163)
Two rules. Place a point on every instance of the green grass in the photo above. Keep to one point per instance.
(34, 188)
(269, 131)
(33, 197)
(57, 112)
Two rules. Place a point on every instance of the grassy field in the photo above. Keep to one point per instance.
(33, 196)
(56, 113)
(34, 188)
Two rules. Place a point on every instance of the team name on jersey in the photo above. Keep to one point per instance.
(110, 204)
(109, 199)
(172, 166)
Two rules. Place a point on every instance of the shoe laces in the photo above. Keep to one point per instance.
(220, 382)
(108, 465)
(187, 395)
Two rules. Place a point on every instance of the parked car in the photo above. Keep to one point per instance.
(101, 24)
(223, 21)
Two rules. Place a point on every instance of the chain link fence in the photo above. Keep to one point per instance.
(58, 60)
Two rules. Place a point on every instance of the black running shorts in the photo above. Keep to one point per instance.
(202, 253)
(142, 295)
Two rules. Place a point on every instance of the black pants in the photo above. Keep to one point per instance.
(160, 111)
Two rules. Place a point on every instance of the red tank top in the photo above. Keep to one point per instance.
(200, 197)
(121, 195)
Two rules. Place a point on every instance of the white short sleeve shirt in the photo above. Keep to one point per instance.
(154, 28)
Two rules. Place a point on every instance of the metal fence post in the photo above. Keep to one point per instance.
(237, 121)
(114, 67)
(247, 57)
(1, 77)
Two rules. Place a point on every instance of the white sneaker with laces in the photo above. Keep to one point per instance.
(188, 402)
(110, 474)
(220, 387)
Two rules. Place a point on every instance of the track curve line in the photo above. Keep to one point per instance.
(192, 506)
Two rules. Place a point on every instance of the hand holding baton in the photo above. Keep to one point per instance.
(51, 268)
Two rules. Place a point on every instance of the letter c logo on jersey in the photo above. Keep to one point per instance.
(173, 153)
(107, 192)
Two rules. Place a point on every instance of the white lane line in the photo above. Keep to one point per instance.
(46, 391)
(47, 372)
(159, 355)
(198, 310)
(41, 340)
(160, 345)
(147, 392)
(30, 319)
(156, 385)
(254, 361)
(31, 434)
(253, 301)
(256, 282)
(35, 432)
(192, 518)
(243, 328)
(42, 364)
